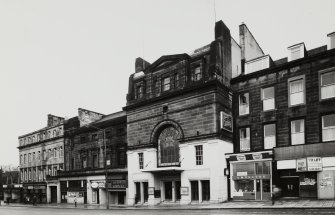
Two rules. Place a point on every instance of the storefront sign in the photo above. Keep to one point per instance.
(226, 122)
(101, 185)
(314, 164)
(308, 181)
(30, 187)
(184, 191)
(301, 165)
(241, 173)
(252, 177)
(257, 156)
(240, 157)
(74, 194)
(94, 185)
(117, 184)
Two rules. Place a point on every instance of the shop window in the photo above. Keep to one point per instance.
(268, 98)
(166, 84)
(328, 85)
(263, 168)
(328, 127)
(140, 160)
(298, 132)
(244, 104)
(244, 188)
(296, 91)
(198, 155)
(245, 139)
(269, 136)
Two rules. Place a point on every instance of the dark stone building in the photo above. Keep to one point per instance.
(95, 159)
(284, 125)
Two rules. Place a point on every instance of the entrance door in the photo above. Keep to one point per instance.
(178, 185)
(138, 192)
(145, 191)
(206, 190)
(120, 196)
(194, 191)
(53, 190)
(168, 190)
(258, 189)
(290, 186)
(266, 189)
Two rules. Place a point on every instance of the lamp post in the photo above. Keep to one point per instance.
(105, 160)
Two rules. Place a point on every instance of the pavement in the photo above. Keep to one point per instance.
(280, 204)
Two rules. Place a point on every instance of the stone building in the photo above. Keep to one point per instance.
(10, 184)
(284, 124)
(41, 155)
(179, 123)
(88, 173)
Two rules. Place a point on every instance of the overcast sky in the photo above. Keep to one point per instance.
(58, 56)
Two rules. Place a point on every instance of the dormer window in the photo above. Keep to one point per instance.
(166, 84)
(296, 52)
(331, 41)
(196, 76)
(139, 91)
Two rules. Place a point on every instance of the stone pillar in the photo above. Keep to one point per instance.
(59, 199)
(173, 191)
(200, 191)
(162, 191)
(142, 192)
(48, 194)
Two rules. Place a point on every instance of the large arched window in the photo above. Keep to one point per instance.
(168, 147)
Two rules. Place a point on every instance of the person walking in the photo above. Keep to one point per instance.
(75, 201)
(275, 193)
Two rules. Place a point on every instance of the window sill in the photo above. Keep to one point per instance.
(327, 99)
(297, 105)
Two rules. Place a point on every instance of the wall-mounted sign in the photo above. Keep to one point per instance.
(314, 164)
(241, 173)
(257, 156)
(240, 157)
(301, 165)
(184, 191)
(226, 122)
(151, 190)
(94, 185)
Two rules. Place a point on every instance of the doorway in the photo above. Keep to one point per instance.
(290, 186)
(138, 192)
(194, 191)
(53, 190)
(120, 197)
(145, 191)
(168, 190)
(178, 195)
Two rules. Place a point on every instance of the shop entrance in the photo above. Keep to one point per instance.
(121, 196)
(53, 190)
(290, 186)
(168, 190)
(263, 191)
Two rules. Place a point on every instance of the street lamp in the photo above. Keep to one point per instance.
(105, 160)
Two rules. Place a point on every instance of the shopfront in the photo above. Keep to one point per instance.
(117, 191)
(38, 190)
(250, 176)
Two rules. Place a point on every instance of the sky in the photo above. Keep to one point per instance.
(61, 55)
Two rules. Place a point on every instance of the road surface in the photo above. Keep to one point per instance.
(52, 211)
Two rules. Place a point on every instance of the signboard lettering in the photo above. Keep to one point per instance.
(117, 184)
(314, 164)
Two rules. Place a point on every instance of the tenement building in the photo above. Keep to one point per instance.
(41, 155)
(179, 124)
(284, 124)
(95, 159)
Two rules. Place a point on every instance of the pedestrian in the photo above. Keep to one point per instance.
(8, 198)
(275, 193)
(75, 200)
(34, 200)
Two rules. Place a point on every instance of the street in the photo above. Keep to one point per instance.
(51, 211)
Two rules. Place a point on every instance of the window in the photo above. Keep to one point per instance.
(168, 147)
(269, 136)
(244, 104)
(268, 97)
(95, 161)
(25, 158)
(176, 80)
(198, 155)
(83, 162)
(34, 156)
(39, 155)
(328, 85)
(82, 139)
(55, 152)
(55, 171)
(297, 95)
(29, 157)
(139, 91)
(61, 151)
(20, 159)
(44, 155)
(298, 132)
(94, 137)
(296, 51)
(140, 160)
(49, 153)
(197, 73)
(328, 127)
(166, 84)
(245, 139)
